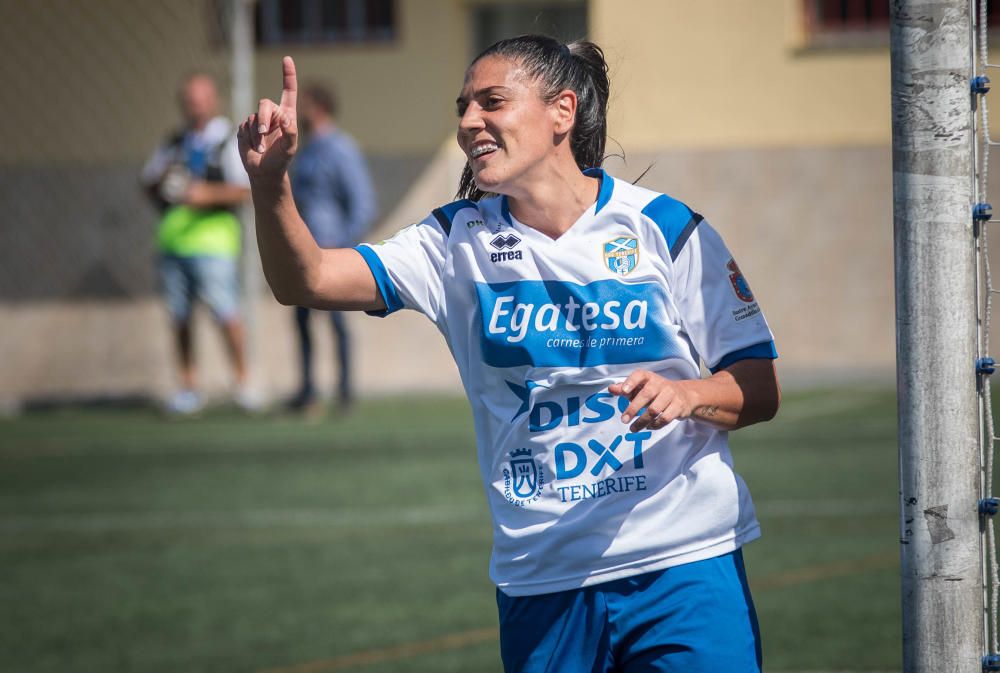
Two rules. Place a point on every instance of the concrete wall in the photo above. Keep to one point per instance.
(58, 350)
(87, 232)
(81, 347)
(810, 227)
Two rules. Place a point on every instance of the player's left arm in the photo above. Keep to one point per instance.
(744, 393)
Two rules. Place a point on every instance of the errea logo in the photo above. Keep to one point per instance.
(506, 244)
(501, 242)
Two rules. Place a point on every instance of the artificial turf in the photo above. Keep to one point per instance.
(231, 543)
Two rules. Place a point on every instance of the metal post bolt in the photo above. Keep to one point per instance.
(986, 366)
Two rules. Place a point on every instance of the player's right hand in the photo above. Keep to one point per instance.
(268, 139)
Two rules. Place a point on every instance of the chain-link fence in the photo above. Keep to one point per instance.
(92, 89)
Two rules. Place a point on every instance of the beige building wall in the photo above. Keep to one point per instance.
(735, 73)
(784, 147)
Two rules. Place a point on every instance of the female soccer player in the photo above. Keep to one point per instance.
(578, 308)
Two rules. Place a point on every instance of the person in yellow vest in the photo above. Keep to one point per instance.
(197, 180)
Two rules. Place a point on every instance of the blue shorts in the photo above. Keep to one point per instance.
(693, 618)
(213, 280)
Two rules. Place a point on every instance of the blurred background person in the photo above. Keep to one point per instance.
(196, 179)
(333, 191)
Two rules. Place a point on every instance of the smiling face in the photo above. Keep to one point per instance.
(505, 128)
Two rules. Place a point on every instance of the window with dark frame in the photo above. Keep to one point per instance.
(854, 22)
(325, 21)
(565, 21)
(849, 15)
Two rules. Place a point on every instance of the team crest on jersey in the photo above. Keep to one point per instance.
(740, 285)
(621, 255)
(522, 483)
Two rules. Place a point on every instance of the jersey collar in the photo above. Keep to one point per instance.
(607, 186)
(603, 194)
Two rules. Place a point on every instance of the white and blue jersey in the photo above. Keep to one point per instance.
(540, 328)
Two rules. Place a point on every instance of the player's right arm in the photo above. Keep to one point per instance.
(299, 272)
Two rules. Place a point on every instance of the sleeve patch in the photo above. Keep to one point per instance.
(739, 282)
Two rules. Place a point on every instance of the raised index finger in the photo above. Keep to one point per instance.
(289, 83)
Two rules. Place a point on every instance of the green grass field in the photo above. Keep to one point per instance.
(129, 542)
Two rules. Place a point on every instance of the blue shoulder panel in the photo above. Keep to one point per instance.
(445, 214)
(676, 221)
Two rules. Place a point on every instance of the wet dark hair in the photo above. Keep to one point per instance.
(323, 96)
(578, 66)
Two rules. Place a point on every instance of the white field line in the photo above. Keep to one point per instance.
(101, 522)
(211, 441)
(460, 640)
(791, 509)
(225, 440)
(833, 403)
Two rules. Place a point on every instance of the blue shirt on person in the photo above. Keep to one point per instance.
(333, 189)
